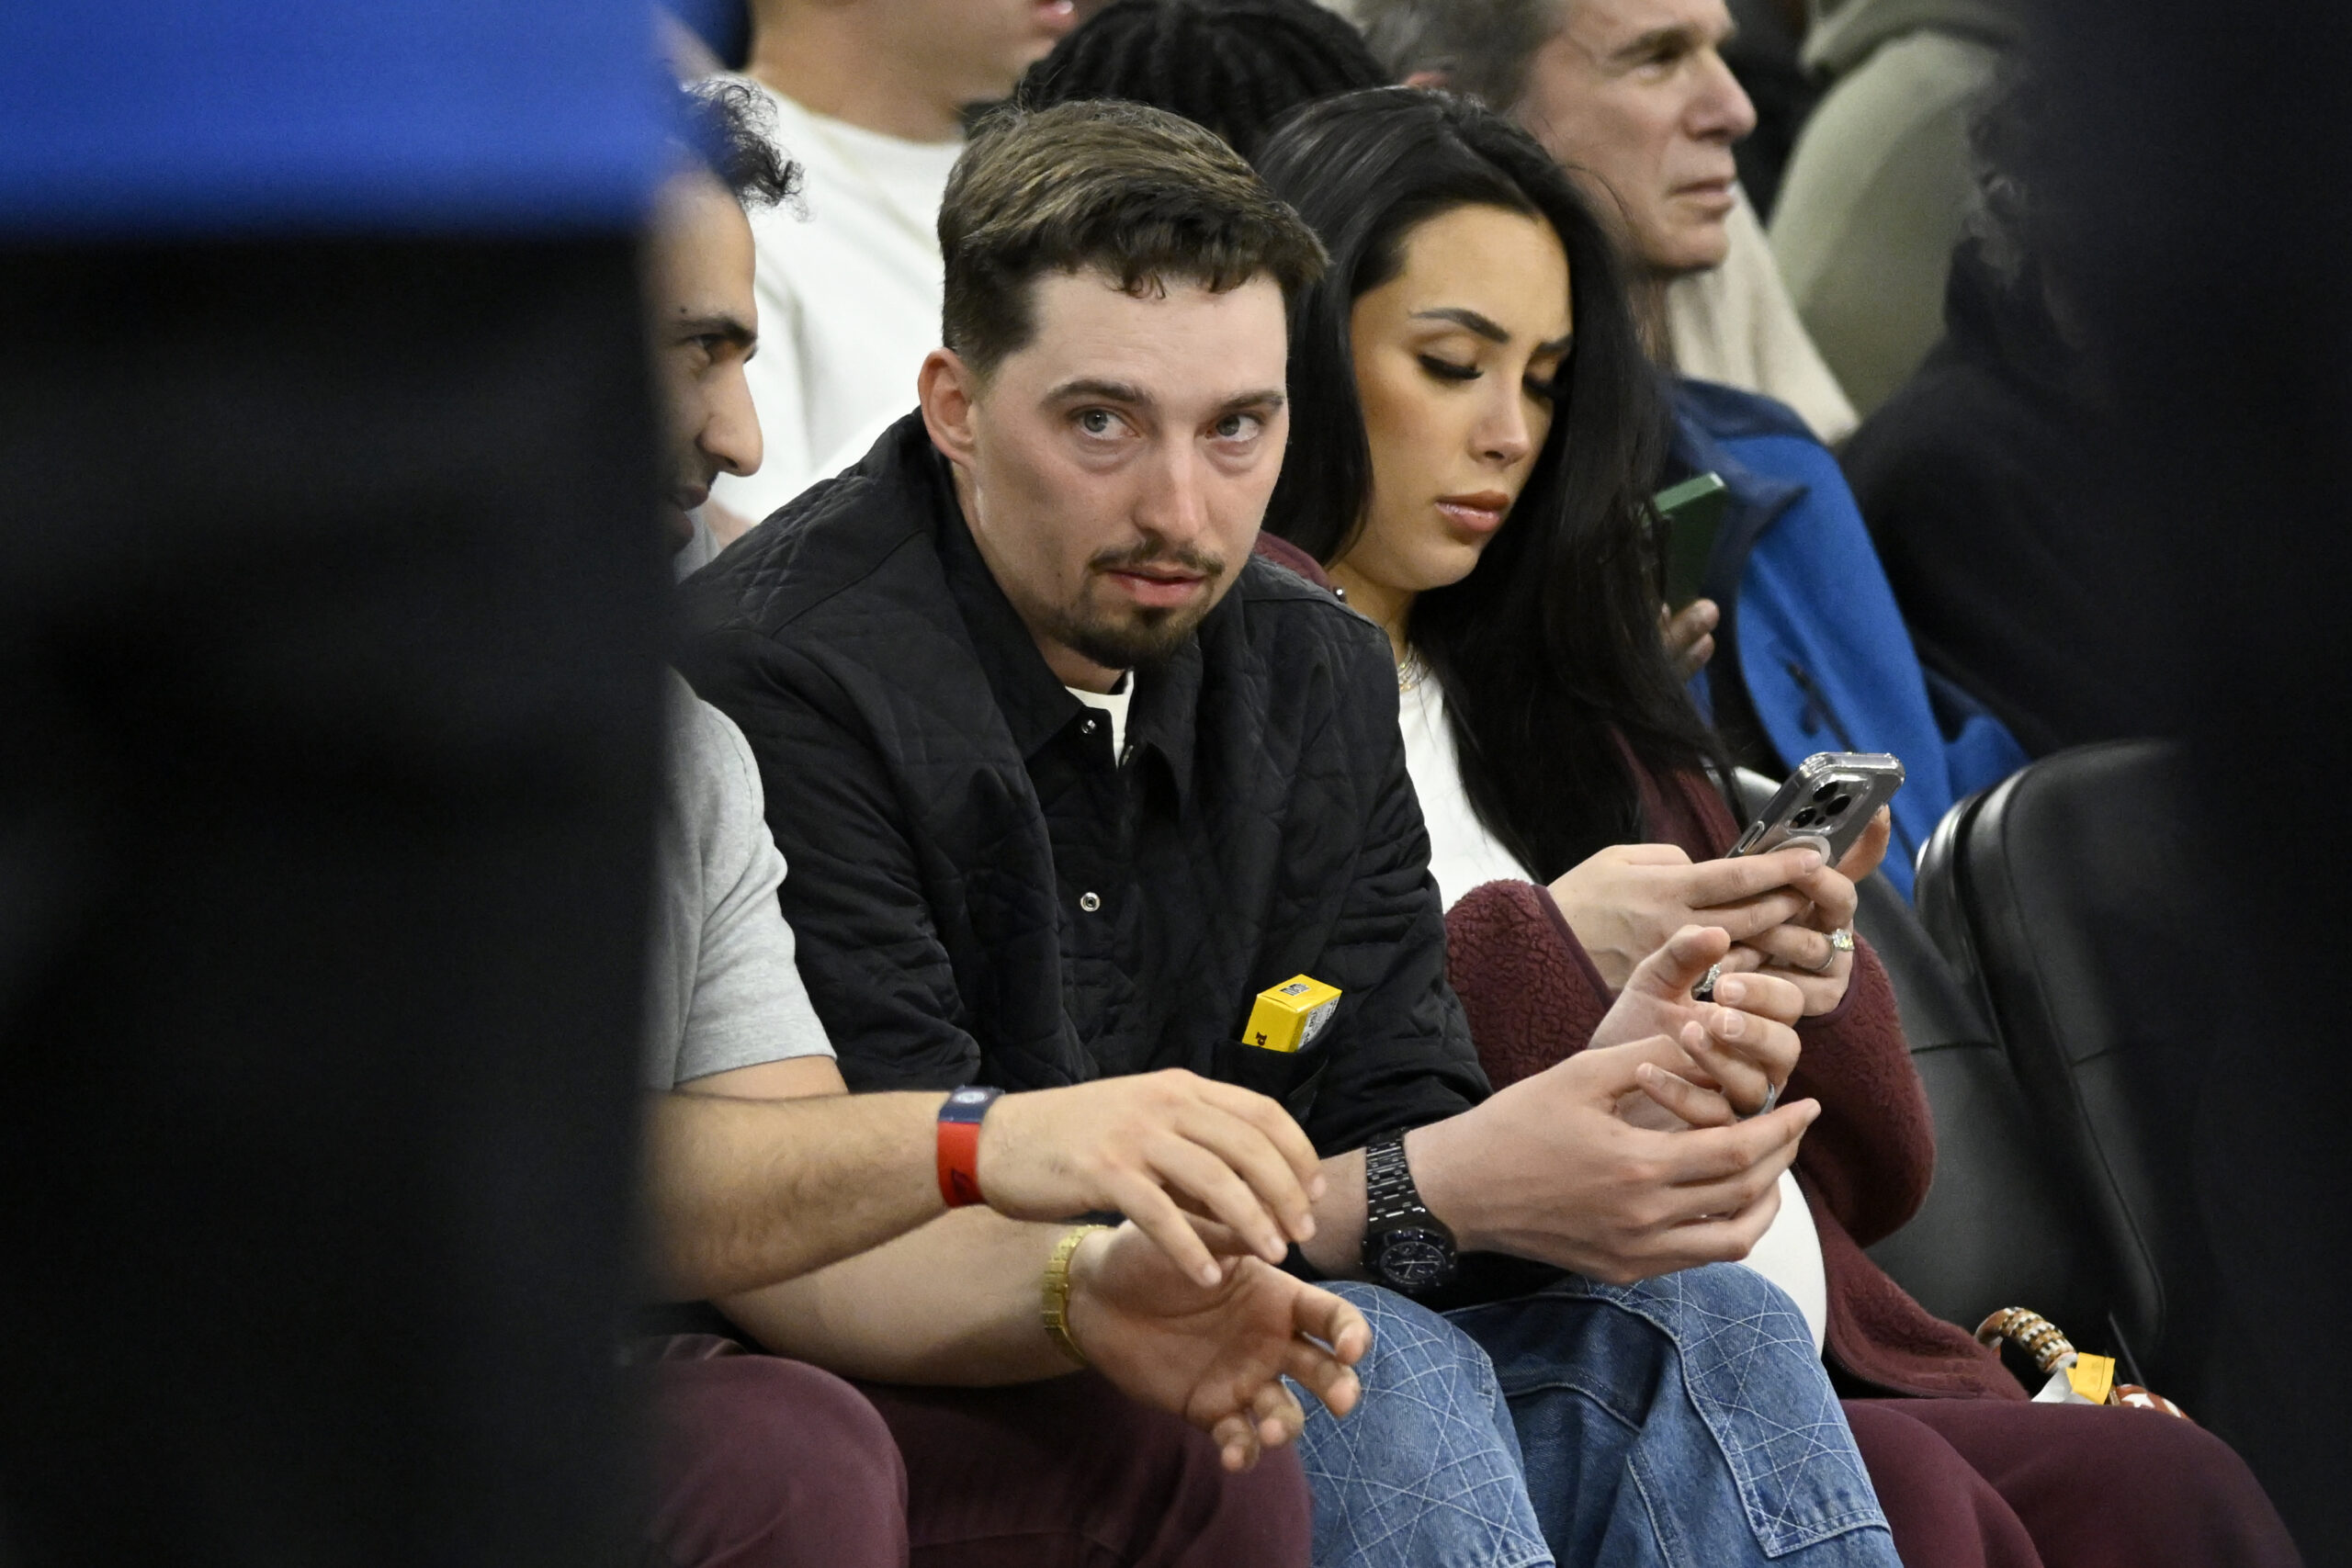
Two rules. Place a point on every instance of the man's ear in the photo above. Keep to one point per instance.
(949, 391)
(1440, 81)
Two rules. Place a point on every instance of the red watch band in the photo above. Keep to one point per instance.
(959, 1145)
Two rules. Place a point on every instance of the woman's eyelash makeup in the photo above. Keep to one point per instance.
(1446, 370)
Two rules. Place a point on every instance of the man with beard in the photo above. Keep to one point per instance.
(815, 1221)
(1066, 777)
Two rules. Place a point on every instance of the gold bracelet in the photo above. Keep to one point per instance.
(1055, 1291)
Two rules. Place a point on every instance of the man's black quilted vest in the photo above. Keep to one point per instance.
(981, 894)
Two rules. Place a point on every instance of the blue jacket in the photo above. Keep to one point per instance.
(1810, 626)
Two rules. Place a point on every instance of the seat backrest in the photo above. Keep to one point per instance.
(2057, 895)
(1994, 1230)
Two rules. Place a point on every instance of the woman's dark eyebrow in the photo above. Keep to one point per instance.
(1464, 318)
(1489, 330)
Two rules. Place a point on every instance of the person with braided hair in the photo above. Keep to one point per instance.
(1235, 66)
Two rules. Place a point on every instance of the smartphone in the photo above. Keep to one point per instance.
(1825, 803)
(1688, 514)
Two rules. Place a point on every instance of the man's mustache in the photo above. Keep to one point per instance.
(1151, 553)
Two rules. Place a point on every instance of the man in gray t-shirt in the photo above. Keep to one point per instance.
(723, 992)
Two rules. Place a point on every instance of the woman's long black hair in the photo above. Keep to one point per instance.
(1548, 651)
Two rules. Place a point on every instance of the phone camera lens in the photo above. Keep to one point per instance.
(1838, 807)
(1803, 819)
(1825, 791)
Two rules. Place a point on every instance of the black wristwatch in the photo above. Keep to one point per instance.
(1405, 1247)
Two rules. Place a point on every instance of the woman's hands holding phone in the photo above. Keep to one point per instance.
(1627, 901)
(1799, 949)
(1779, 908)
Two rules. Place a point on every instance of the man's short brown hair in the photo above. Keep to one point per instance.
(1137, 195)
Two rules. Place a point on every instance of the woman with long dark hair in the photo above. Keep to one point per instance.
(1473, 429)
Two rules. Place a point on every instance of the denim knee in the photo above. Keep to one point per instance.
(1426, 1473)
(1685, 1418)
(1748, 1362)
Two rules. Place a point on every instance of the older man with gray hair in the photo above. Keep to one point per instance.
(1633, 97)
(1794, 620)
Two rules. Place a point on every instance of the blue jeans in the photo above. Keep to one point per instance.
(1681, 1422)
(1685, 1421)
(1426, 1473)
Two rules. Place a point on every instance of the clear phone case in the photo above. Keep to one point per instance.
(1831, 798)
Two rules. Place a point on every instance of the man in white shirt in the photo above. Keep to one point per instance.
(869, 97)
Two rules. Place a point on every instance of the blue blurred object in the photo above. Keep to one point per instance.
(195, 116)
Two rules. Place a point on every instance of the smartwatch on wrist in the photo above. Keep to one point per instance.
(1405, 1247)
(959, 1145)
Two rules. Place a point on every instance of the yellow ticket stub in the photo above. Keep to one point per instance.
(2092, 1377)
(1285, 1017)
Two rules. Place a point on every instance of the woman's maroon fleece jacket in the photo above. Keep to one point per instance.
(1534, 998)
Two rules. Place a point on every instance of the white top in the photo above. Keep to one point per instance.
(1737, 324)
(849, 300)
(1463, 854)
(1116, 703)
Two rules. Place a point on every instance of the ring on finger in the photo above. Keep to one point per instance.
(1840, 941)
(1772, 1099)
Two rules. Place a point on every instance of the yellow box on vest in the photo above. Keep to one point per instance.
(1285, 1017)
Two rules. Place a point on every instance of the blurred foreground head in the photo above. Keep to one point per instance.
(1111, 390)
(1632, 97)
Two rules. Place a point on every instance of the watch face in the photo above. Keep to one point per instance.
(1414, 1259)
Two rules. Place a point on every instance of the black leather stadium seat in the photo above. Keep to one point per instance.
(1996, 1230)
(2057, 895)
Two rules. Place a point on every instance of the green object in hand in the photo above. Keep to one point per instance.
(1688, 514)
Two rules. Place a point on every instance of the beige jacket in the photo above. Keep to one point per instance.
(1880, 186)
(1737, 325)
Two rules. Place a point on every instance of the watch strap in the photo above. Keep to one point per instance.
(1395, 1217)
(959, 1143)
(1388, 1189)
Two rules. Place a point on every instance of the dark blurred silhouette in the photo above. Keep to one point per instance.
(2196, 168)
(331, 612)
(1983, 479)
(328, 646)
